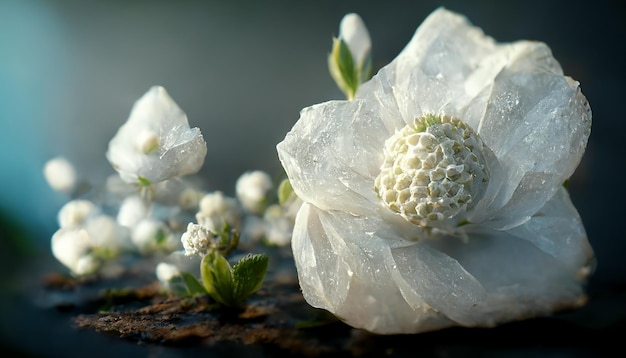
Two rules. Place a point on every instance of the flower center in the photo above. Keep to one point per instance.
(147, 142)
(433, 170)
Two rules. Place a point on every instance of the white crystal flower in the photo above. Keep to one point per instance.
(252, 189)
(132, 210)
(435, 198)
(156, 142)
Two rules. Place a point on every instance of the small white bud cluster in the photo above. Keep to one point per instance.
(197, 240)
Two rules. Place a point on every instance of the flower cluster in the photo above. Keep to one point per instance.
(148, 207)
(435, 196)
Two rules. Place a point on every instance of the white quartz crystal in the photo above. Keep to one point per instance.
(515, 246)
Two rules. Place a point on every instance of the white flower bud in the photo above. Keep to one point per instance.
(353, 31)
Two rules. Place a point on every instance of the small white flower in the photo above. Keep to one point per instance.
(197, 240)
(252, 190)
(435, 198)
(156, 142)
(60, 175)
(76, 212)
(217, 209)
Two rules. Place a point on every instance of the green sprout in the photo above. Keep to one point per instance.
(229, 286)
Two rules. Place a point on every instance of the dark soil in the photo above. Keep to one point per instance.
(134, 309)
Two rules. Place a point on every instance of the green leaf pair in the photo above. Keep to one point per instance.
(228, 286)
(231, 286)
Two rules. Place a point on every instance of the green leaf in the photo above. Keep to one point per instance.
(229, 239)
(365, 69)
(284, 191)
(161, 236)
(143, 181)
(186, 285)
(249, 273)
(342, 69)
(217, 277)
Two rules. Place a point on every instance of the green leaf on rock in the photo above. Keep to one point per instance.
(186, 285)
(249, 273)
(231, 286)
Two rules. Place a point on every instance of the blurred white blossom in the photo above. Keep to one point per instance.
(132, 210)
(87, 244)
(217, 209)
(278, 226)
(165, 272)
(252, 189)
(61, 175)
(76, 212)
(73, 248)
(151, 236)
(435, 198)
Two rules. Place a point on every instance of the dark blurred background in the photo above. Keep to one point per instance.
(241, 70)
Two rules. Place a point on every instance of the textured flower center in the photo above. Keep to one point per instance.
(433, 170)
